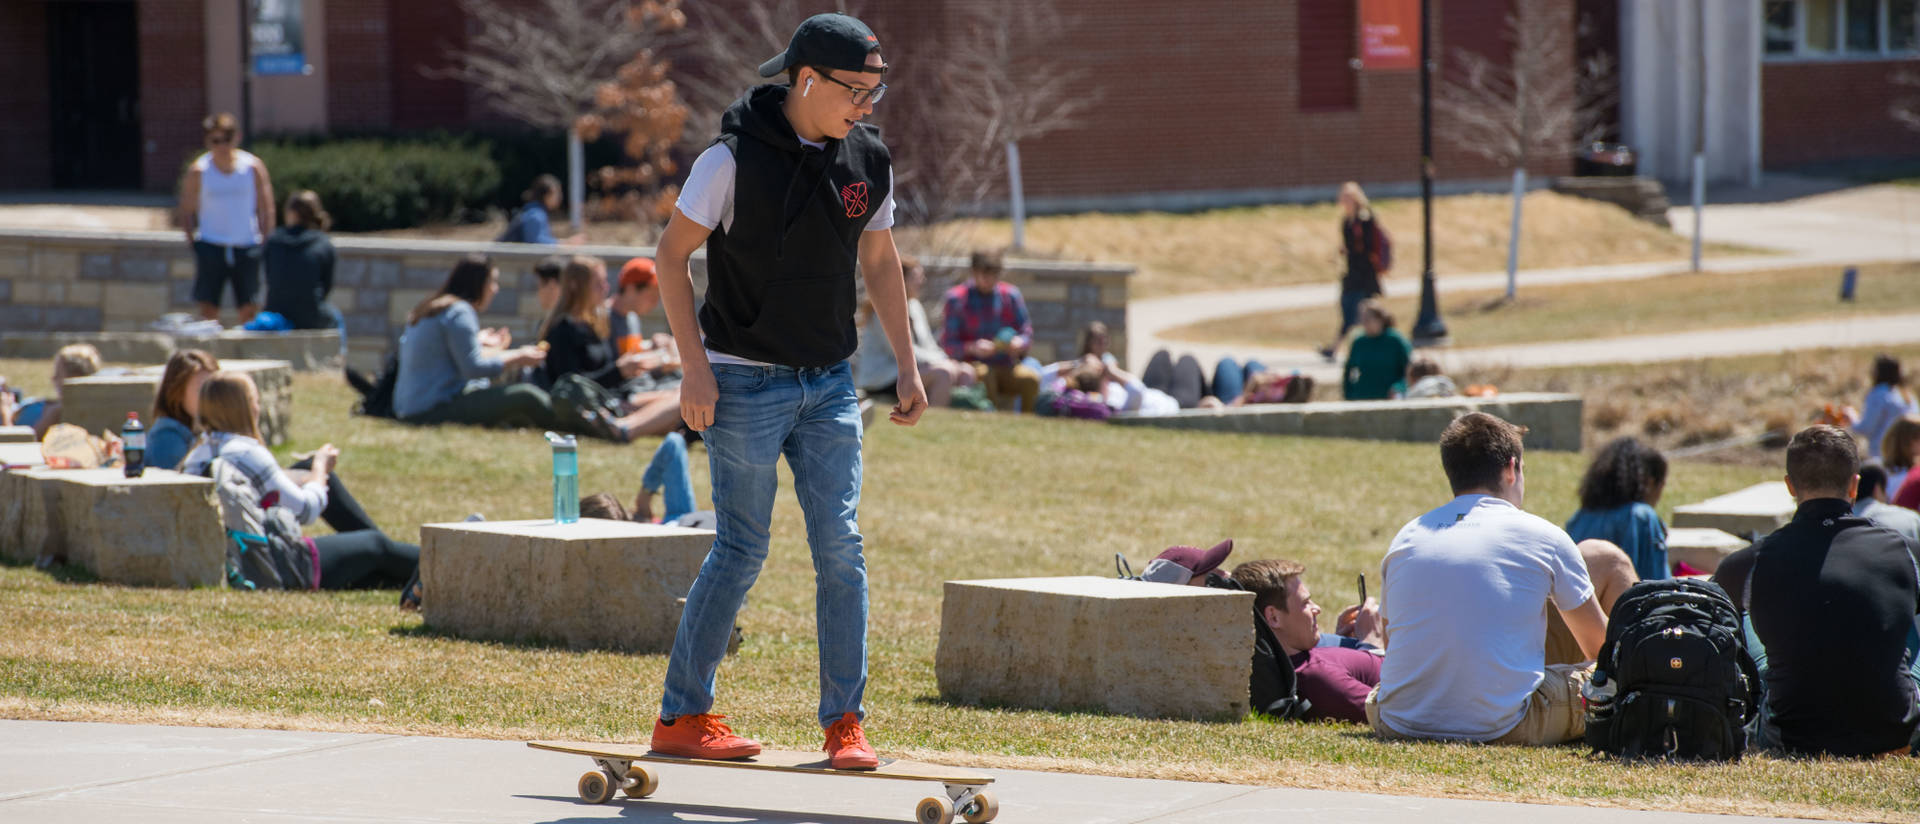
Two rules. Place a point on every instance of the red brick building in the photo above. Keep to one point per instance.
(1217, 101)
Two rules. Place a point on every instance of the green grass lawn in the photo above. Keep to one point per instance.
(962, 496)
(1674, 303)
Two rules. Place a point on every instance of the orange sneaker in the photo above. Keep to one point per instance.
(847, 747)
(701, 736)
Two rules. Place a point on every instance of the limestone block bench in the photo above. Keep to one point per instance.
(1703, 548)
(1077, 643)
(101, 402)
(307, 350)
(593, 583)
(160, 529)
(16, 434)
(1553, 421)
(1761, 508)
(21, 456)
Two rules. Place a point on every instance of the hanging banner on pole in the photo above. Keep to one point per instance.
(1389, 35)
(277, 41)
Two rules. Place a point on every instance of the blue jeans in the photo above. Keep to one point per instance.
(813, 418)
(668, 473)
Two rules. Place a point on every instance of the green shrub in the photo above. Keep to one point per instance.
(369, 184)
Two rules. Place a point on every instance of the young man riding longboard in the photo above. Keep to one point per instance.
(793, 195)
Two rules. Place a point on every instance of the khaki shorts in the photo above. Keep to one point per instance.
(1555, 713)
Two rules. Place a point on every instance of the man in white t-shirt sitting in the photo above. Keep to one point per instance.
(1465, 595)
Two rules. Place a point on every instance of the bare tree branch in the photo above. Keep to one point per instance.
(543, 61)
(1531, 104)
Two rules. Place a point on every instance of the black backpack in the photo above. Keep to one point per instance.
(1674, 679)
(376, 394)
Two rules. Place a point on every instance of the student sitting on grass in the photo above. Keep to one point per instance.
(1617, 499)
(1426, 381)
(1899, 451)
(1871, 503)
(359, 555)
(1377, 360)
(586, 369)
(444, 350)
(73, 361)
(170, 428)
(1465, 593)
(1832, 599)
(1334, 679)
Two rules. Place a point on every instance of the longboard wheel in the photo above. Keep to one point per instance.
(595, 788)
(981, 808)
(642, 782)
(933, 811)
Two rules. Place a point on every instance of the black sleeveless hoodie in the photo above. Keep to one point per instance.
(780, 281)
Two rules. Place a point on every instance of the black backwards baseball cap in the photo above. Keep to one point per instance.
(829, 41)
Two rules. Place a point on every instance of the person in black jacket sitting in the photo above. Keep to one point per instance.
(582, 363)
(299, 263)
(1832, 599)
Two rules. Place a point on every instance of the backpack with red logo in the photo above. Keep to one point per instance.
(1674, 679)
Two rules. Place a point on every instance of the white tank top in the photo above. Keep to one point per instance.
(228, 202)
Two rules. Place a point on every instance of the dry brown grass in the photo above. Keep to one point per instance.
(1674, 303)
(1698, 403)
(1226, 249)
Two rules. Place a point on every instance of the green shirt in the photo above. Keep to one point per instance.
(1377, 367)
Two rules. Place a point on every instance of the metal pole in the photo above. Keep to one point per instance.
(1018, 201)
(1429, 329)
(246, 70)
(1699, 124)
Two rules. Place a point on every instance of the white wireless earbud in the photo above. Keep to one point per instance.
(809, 89)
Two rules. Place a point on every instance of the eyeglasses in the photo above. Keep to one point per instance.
(861, 94)
(220, 140)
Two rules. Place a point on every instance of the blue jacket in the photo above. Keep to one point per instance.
(438, 356)
(529, 225)
(168, 442)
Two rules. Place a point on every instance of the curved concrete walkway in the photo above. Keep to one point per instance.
(79, 773)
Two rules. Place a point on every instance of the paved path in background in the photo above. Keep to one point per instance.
(74, 773)
(1831, 227)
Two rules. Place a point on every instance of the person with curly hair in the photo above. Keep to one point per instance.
(1617, 497)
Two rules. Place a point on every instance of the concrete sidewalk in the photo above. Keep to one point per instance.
(72, 773)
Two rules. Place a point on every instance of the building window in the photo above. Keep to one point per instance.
(1782, 33)
(1903, 26)
(1840, 29)
(1329, 34)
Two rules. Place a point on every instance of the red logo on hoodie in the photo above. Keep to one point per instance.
(854, 195)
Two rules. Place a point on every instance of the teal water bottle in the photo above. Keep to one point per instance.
(566, 478)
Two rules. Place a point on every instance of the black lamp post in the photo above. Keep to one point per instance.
(1429, 329)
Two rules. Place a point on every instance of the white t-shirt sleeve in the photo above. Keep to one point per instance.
(1572, 586)
(707, 197)
(883, 216)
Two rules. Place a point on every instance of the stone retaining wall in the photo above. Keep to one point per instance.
(307, 350)
(101, 402)
(65, 281)
(1553, 421)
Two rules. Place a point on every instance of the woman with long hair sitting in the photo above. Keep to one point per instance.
(359, 558)
(170, 430)
(584, 366)
(444, 349)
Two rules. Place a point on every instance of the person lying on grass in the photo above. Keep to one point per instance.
(1334, 679)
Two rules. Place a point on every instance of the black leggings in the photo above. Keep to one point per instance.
(365, 559)
(359, 556)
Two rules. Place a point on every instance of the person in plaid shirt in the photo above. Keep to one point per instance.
(986, 326)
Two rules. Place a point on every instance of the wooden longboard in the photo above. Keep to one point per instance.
(967, 797)
(805, 762)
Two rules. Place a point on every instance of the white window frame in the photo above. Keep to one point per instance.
(1841, 54)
